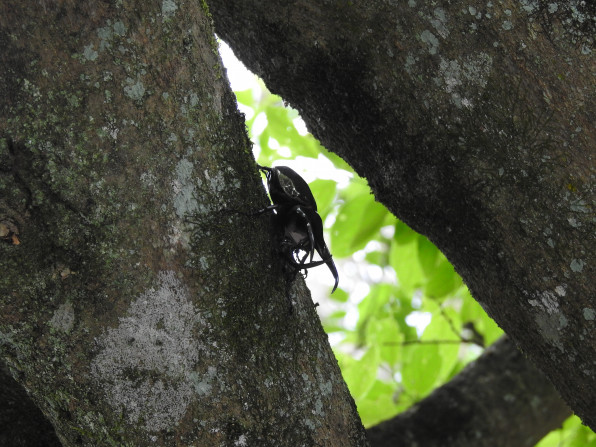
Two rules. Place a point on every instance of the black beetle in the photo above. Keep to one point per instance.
(296, 211)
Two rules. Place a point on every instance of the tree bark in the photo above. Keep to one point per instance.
(135, 308)
(473, 123)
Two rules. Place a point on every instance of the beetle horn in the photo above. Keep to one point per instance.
(333, 269)
(327, 259)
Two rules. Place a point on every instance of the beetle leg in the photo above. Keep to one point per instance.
(310, 265)
(267, 172)
(300, 261)
(311, 236)
(328, 261)
(267, 209)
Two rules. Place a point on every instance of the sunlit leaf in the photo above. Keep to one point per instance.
(421, 367)
(356, 222)
(339, 295)
(324, 193)
(371, 306)
(443, 281)
(281, 127)
(377, 257)
(378, 404)
(572, 434)
(403, 233)
(444, 329)
(472, 313)
(333, 322)
(404, 260)
(384, 332)
(428, 255)
(245, 97)
(361, 374)
(337, 161)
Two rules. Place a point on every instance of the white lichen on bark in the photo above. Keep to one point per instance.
(146, 365)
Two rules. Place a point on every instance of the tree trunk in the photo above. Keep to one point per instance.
(473, 123)
(135, 307)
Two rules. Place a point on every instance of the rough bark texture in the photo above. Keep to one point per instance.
(500, 400)
(133, 310)
(474, 123)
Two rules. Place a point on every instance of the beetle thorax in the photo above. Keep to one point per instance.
(288, 186)
(296, 231)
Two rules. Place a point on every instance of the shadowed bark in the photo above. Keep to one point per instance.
(21, 423)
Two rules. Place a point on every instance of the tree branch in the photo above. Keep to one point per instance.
(500, 400)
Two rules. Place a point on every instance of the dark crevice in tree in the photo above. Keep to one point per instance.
(22, 424)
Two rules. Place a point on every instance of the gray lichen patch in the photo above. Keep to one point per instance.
(439, 22)
(429, 38)
(146, 365)
(577, 265)
(464, 79)
(89, 53)
(168, 8)
(135, 90)
(63, 318)
(184, 189)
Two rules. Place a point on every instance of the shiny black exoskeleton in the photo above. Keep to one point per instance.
(296, 212)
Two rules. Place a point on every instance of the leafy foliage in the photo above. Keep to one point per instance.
(415, 325)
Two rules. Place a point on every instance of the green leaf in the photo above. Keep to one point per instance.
(356, 222)
(572, 434)
(245, 97)
(428, 255)
(334, 323)
(281, 127)
(403, 234)
(339, 295)
(421, 367)
(337, 161)
(378, 404)
(385, 333)
(404, 260)
(324, 193)
(372, 305)
(443, 281)
(356, 188)
(472, 312)
(441, 328)
(377, 258)
(361, 374)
